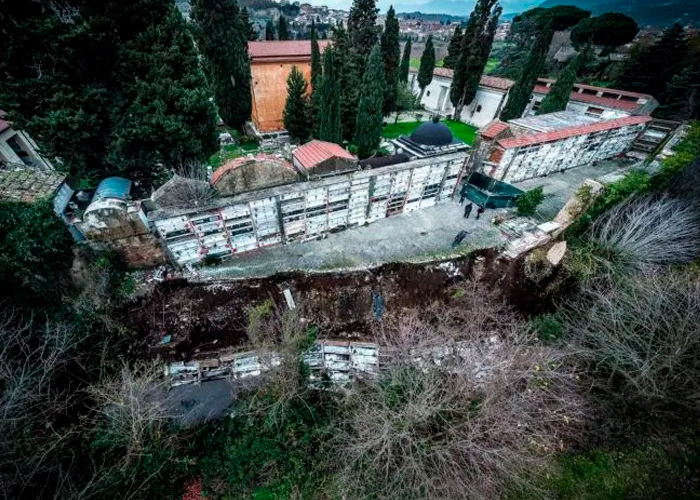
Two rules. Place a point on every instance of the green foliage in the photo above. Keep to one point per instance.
(474, 53)
(283, 29)
(461, 131)
(559, 96)
(527, 203)
(391, 52)
(560, 17)
(405, 62)
(35, 251)
(296, 110)
(681, 99)
(347, 67)
(453, 49)
(368, 127)
(222, 37)
(329, 120)
(362, 26)
(427, 65)
(666, 56)
(124, 94)
(608, 30)
(316, 65)
(548, 327)
(249, 28)
(520, 94)
(406, 100)
(269, 31)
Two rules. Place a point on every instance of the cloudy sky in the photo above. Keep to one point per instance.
(442, 6)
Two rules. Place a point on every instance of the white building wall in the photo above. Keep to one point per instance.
(25, 142)
(537, 160)
(309, 209)
(578, 107)
(483, 110)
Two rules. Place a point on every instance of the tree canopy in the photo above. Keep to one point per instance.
(251, 32)
(427, 65)
(405, 61)
(559, 95)
(283, 29)
(330, 125)
(391, 52)
(109, 88)
(454, 48)
(559, 18)
(348, 69)
(296, 110)
(269, 31)
(362, 26)
(608, 30)
(222, 37)
(368, 127)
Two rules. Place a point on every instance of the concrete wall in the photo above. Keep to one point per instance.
(307, 210)
(256, 174)
(577, 107)
(523, 163)
(484, 109)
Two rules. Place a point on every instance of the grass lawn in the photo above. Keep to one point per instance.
(231, 152)
(491, 65)
(415, 63)
(461, 131)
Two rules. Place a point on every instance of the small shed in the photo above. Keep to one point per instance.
(317, 159)
(490, 193)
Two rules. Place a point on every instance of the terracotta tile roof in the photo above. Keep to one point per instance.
(606, 102)
(4, 124)
(494, 128)
(281, 50)
(244, 160)
(493, 82)
(29, 185)
(565, 133)
(312, 153)
(626, 93)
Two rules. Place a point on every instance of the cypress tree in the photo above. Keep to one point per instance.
(316, 67)
(296, 109)
(474, 51)
(222, 36)
(391, 52)
(362, 26)
(427, 66)
(521, 93)
(346, 67)
(330, 127)
(368, 127)
(559, 95)
(251, 32)
(283, 29)
(454, 48)
(269, 31)
(405, 62)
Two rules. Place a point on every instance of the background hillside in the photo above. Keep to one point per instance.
(657, 13)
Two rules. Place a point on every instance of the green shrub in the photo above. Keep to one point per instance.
(548, 327)
(528, 202)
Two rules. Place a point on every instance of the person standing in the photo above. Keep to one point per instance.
(467, 210)
(479, 211)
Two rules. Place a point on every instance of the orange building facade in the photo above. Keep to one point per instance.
(270, 65)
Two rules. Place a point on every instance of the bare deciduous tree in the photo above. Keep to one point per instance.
(463, 407)
(189, 187)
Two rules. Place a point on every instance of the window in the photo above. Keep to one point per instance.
(595, 112)
(478, 108)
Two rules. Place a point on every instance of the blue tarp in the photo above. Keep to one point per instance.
(113, 187)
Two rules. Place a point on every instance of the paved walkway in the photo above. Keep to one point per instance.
(418, 236)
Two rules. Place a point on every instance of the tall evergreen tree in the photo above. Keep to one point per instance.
(296, 109)
(454, 48)
(391, 51)
(251, 32)
(474, 52)
(346, 66)
(368, 127)
(283, 29)
(110, 88)
(682, 98)
(559, 95)
(269, 31)
(222, 36)
(362, 26)
(316, 66)
(405, 62)
(521, 93)
(649, 70)
(427, 66)
(330, 125)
